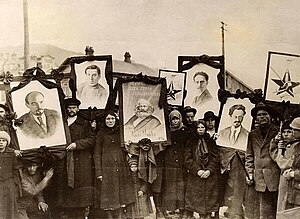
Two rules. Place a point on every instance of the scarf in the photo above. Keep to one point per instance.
(175, 113)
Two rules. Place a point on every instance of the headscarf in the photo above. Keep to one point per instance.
(201, 149)
(175, 113)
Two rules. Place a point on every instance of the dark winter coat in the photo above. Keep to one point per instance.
(259, 162)
(202, 195)
(8, 182)
(174, 171)
(83, 193)
(116, 187)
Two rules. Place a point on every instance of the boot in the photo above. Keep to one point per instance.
(158, 206)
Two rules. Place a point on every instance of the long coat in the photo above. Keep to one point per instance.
(202, 195)
(116, 188)
(8, 180)
(83, 193)
(174, 171)
(259, 162)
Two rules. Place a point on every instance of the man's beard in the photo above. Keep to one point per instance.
(72, 114)
(142, 114)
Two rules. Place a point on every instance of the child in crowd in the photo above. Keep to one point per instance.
(142, 207)
(282, 150)
(8, 179)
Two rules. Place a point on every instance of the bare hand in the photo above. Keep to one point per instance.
(278, 136)
(71, 147)
(43, 206)
(249, 180)
(200, 173)
(140, 193)
(288, 174)
(206, 174)
(99, 178)
(49, 173)
(18, 153)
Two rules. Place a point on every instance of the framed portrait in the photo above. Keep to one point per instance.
(39, 110)
(92, 87)
(235, 123)
(142, 113)
(175, 86)
(202, 83)
(282, 77)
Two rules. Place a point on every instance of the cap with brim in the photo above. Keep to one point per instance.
(209, 115)
(261, 106)
(72, 102)
(295, 123)
(36, 160)
(188, 109)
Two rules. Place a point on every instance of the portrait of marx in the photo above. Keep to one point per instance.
(143, 118)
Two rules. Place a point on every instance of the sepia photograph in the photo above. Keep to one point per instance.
(39, 110)
(235, 124)
(202, 89)
(282, 77)
(142, 117)
(175, 86)
(92, 87)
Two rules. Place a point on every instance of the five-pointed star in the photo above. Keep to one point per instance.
(171, 92)
(286, 84)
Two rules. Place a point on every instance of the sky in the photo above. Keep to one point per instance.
(156, 32)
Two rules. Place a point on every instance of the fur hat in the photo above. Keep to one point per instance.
(5, 135)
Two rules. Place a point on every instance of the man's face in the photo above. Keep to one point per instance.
(189, 117)
(72, 110)
(210, 123)
(3, 144)
(263, 118)
(36, 104)
(287, 134)
(2, 112)
(201, 82)
(237, 118)
(31, 169)
(93, 77)
(175, 121)
(142, 109)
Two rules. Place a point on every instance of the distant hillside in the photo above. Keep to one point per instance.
(42, 49)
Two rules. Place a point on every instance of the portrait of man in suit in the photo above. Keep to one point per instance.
(90, 92)
(235, 134)
(201, 80)
(142, 121)
(39, 122)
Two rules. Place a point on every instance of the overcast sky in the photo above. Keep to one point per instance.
(155, 32)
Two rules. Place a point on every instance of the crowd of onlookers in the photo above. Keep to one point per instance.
(100, 178)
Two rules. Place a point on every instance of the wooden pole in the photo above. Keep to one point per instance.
(26, 36)
(223, 50)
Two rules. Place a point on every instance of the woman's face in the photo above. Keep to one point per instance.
(200, 129)
(175, 121)
(110, 121)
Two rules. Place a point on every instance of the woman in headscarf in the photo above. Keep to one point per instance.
(202, 163)
(174, 171)
(111, 169)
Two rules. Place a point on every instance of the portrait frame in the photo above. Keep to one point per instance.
(213, 69)
(282, 83)
(72, 70)
(29, 135)
(225, 137)
(142, 87)
(176, 82)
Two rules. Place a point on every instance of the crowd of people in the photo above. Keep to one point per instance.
(99, 178)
